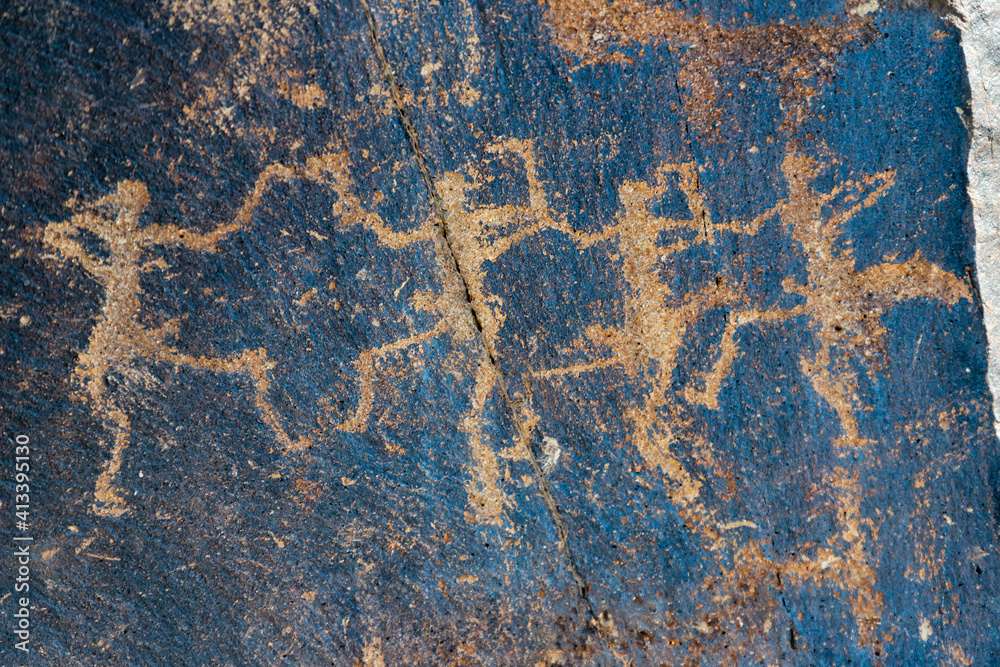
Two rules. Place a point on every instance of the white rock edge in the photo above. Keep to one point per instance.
(980, 25)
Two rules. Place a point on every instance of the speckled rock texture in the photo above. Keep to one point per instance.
(575, 332)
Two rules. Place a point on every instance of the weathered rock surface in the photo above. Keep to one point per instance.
(577, 333)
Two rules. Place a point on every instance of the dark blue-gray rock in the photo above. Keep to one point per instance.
(578, 333)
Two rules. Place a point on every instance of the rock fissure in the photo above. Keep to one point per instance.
(452, 264)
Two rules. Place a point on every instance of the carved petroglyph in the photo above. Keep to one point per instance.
(840, 305)
(654, 334)
(119, 338)
(798, 58)
(479, 235)
(843, 307)
(647, 346)
(486, 498)
(484, 233)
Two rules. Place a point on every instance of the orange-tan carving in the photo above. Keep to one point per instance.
(486, 498)
(484, 233)
(844, 306)
(119, 337)
(647, 346)
(655, 331)
(797, 57)
(479, 235)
